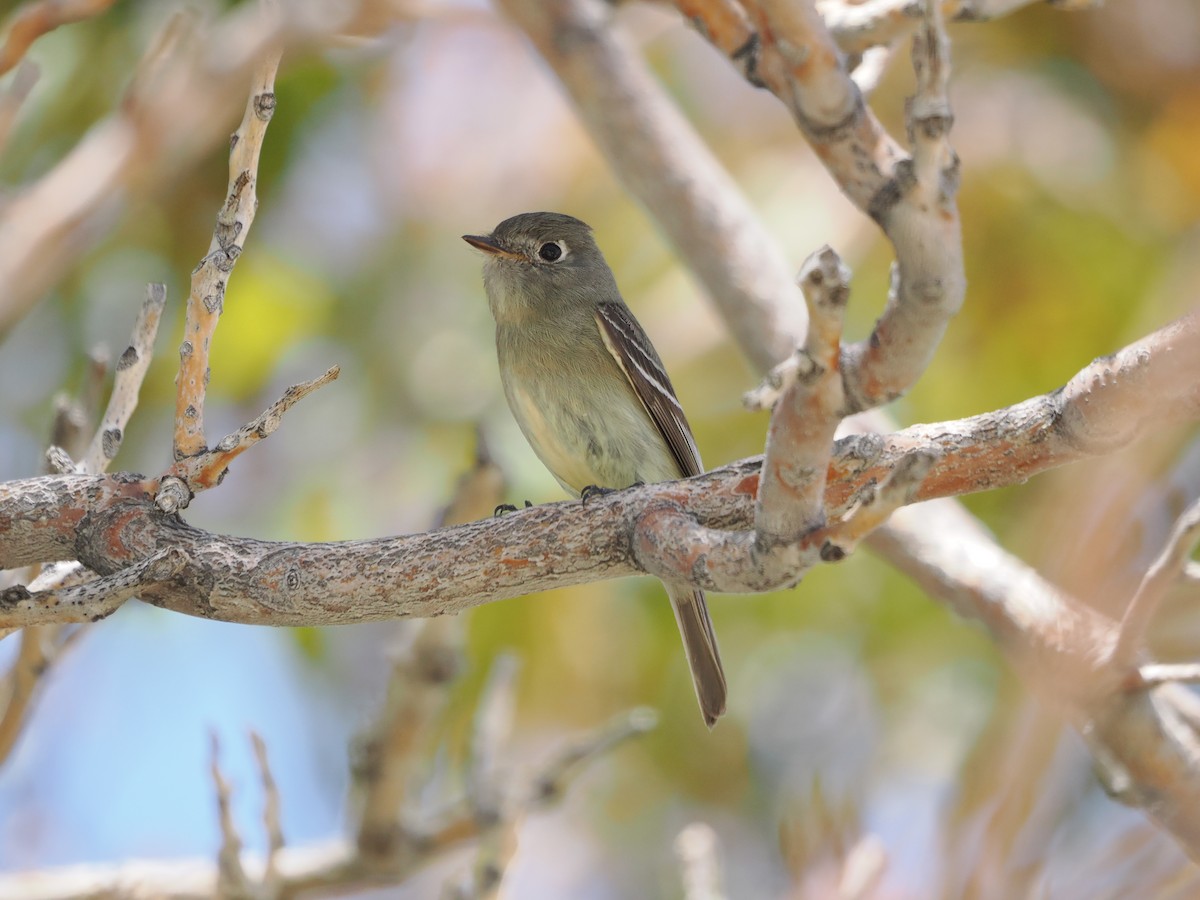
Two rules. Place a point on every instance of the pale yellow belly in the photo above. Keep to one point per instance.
(607, 441)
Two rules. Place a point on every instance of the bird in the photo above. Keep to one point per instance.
(588, 389)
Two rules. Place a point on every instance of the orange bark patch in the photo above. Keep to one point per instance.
(748, 485)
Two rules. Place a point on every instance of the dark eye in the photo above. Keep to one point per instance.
(550, 251)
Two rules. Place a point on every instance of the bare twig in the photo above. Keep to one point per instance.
(1164, 573)
(918, 213)
(912, 199)
(858, 27)
(89, 601)
(272, 820)
(210, 278)
(330, 869)
(489, 791)
(51, 222)
(232, 880)
(563, 766)
(791, 496)
(131, 369)
(493, 729)
(207, 468)
(68, 592)
(1153, 674)
(388, 757)
(1142, 740)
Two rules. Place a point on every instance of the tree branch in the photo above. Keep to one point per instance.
(210, 277)
(131, 369)
(110, 522)
(173, 113)
(91, 600)
(1144, 741)
(1164, 573)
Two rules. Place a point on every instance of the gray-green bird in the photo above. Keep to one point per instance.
(588, 389)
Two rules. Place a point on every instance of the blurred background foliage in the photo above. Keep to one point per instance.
(857, 704)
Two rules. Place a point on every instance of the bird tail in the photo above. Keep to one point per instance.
(700, 645)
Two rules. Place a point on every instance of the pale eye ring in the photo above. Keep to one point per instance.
(552, 251)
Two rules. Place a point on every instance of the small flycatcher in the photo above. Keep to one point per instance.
(588, 389)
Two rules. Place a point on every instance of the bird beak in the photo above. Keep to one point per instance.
(489, 246)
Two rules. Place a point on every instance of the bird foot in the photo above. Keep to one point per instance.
(505, 508)
(594, 490)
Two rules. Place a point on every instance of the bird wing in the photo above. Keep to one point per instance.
(634, 353)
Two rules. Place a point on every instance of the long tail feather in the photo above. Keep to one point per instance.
(700, 645)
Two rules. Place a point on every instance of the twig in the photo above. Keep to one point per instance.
(232, 880)
(34, 19)
(871, 68)
(912, 199)
(131, 369)
(1154, 674)
(209, 279)
(726, 26)
(67, 592)
(563, 766)
(51, 222)
(917, 211)
(207, 468)
(70, 430)
(1163, 574)
(791, 496)
(332, 868)
(699, 864)
(424, 668)
(492, 730)
(1142, 740)
(272, 820)
(92, 600)
(858, 27)
(489, 791)
(388, 757)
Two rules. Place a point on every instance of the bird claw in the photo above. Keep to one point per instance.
(505, 508)
(594, 490)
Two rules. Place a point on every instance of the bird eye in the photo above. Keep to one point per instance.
(550, 251)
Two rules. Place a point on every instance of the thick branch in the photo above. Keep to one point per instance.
(110, 522)
(912, 198)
